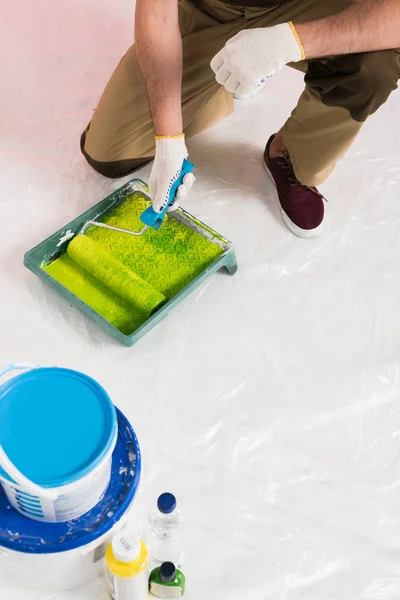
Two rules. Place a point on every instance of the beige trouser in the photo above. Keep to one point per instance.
(340, 93)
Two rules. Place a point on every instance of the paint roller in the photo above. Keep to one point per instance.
(114, 275)
(111, 272)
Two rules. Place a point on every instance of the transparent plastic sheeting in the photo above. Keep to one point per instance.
(268, 401)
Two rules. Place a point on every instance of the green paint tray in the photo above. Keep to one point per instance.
(175, 260)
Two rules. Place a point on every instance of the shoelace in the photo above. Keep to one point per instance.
(287, 166)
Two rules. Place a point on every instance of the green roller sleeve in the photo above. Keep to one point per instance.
(114, 275)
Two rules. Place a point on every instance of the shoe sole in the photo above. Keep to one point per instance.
(301, 233)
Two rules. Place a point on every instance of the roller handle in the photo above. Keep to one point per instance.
(9, 467)
(154, 219)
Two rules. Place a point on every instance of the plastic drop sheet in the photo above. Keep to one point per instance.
(268, 401)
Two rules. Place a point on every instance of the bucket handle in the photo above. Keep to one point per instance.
(27, 484)
(17, 367)
(9, 467)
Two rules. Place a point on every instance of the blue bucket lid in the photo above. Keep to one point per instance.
(21, 534)
(56, 425)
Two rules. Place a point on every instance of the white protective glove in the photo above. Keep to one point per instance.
(167, 166)
(253, 55)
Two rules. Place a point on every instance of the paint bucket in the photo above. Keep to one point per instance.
(60, 556)
(58, 430)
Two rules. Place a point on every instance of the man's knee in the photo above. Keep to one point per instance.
(379, 75)
(360, 83)
(112, 169)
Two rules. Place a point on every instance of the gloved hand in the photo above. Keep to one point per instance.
(167, 166)
(255, 54)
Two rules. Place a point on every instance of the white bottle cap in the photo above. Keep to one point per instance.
(126, 547)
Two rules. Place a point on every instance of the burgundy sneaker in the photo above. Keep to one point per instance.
(302, 207)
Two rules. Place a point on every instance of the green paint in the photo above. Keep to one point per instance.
(114, 275)
(102, 300)
(167, 259)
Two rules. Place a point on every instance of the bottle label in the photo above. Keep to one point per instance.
(164, 591)
(111, 579)
(135, 588)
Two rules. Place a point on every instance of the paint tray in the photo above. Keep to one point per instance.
(176, 259)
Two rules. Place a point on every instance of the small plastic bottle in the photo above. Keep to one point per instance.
(126, 559)
(167, 581)
(164, 539)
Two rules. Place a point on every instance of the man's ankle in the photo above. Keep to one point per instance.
(277, 147)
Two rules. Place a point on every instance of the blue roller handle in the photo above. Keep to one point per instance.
(155, 219)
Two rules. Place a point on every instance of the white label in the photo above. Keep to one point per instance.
(88, 493)
(112, 579)
(164, 591)
(129, 589)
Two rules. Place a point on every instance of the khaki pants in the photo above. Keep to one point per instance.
(340, 93)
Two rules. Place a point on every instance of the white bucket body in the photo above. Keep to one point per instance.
(60, 571)
(71, 501)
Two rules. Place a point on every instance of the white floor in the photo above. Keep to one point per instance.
(269, 402)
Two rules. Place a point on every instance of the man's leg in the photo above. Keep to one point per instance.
(341, 93)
